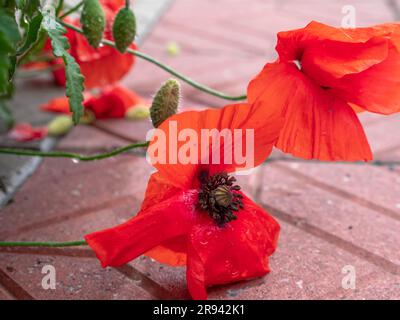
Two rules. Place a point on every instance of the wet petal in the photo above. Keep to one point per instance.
(161, 222)
(236, 251)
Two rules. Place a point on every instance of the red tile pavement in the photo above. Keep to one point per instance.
(332, 215)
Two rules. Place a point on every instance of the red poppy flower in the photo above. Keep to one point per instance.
(24, 132)
(102, 66)
(110, 102)
(323, 75)
(194, 214)
(113, 5)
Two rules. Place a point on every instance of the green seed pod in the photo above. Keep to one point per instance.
(138, 112)
(93, 22)
(60, 125)
(165, 102)
(124, 29)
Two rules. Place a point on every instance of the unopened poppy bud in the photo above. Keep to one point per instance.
(138, 112)
(60, 125)
(165, 102)
(124, 29)
(93, 22)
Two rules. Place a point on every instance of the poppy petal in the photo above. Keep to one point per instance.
(171, 252)
(61, 104)
(57, 105)
(360, 65)
(257, 129)
(166, 220)
(236, 251)
(317, 124)
(326, 60)
(24, 132)
(376, 89)
(291, 44)
(106, 70)
(112, 102)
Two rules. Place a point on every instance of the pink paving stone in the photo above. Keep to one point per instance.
(75, 227)
(132, 131)
(85, 138)
(380, 134)
(303, 267)
(89, 186)
(204, 70)
(216, 52)
(4, 295)
(376, 285)
(268, 18)
(356, 182)
(362, 230)
(76, 278)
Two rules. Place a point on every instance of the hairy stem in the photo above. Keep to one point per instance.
(61, 154)
(42, 244)
(72, 10)
(166, 68)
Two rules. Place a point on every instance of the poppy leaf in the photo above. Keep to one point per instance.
(9, 37)
(32, 35)
(74, 78)
(5, 115)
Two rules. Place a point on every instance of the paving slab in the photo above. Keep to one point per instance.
(332, 215)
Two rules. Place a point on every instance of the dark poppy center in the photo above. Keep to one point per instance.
(219, 196)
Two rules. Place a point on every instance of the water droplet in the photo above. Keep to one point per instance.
(235, 273)
(75, 160)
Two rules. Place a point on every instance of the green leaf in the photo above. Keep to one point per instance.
(20, 4)
(5, 115)
(74, 85)
(32, 34)
(6, 50)
(9, 27)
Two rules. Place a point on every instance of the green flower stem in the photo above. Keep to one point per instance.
(377, 163)
(166, 68)
(59, 6)
(72, 10)
(42, 244)
(127, 4)
(79, 157)
(61, 154)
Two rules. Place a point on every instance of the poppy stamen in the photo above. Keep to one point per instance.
(219, 196)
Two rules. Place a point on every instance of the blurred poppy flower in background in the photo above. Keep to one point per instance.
(195, 214)
(102, 66)
(109, 102)
(23, 132)
(323, 76)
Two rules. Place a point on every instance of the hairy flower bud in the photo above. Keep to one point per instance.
(165, 102)
(93, 22)
(124, 29)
